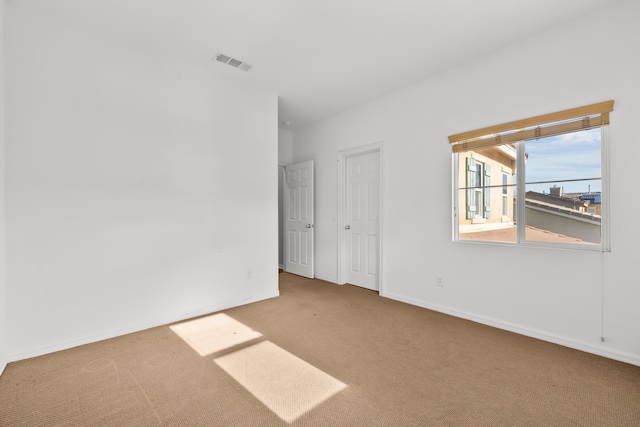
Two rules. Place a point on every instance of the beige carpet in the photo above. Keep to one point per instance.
(321, 355)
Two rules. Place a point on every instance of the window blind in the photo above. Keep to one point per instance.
(558, 123)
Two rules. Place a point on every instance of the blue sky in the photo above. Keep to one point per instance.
(571, 156)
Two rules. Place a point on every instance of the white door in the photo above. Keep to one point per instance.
(362, 226)
(299, 219)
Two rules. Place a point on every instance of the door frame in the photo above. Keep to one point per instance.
(342, 208)
(282, 191)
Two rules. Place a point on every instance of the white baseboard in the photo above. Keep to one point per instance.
(161, 321)
(325, 278)
(614, 354)
(4, 360)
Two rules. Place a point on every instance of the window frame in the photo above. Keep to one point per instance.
(519, 189)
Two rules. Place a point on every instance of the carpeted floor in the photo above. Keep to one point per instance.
(321, 355)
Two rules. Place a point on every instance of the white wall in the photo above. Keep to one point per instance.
(555, 295)
(3, 346)
(139, 190)
(285, 146)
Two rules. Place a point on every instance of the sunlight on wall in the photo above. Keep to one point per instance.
(208, 335)
(284, 383)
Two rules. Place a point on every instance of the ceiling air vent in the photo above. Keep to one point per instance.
(233, 62)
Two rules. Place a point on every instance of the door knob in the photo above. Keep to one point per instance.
(308, 225)
(347, 227)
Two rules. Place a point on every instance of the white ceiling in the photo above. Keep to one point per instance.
(320, 56)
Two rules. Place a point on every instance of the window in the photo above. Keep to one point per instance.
(505, 195)
(478, 178)
(551, 185)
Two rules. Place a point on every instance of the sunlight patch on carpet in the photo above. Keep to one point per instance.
(284, 383)
(208, 335)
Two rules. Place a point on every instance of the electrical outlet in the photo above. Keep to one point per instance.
(439, 281)
(249, 274)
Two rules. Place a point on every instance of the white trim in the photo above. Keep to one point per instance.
(327, 279)
(4, 360)
(342, 164)
(161, 321)
(618, 355)
(519, 217)
(283, 221)
(455, 229)
(605, 193)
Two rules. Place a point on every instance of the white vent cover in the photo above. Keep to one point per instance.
(236, 63)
